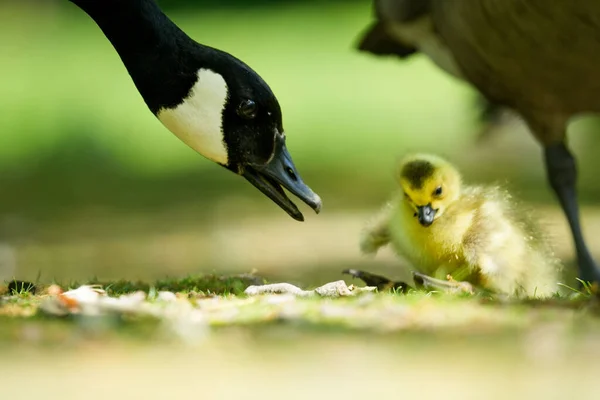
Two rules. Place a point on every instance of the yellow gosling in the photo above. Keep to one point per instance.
(477, 234)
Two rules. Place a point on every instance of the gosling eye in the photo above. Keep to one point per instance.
(437, 191)
(247, 109)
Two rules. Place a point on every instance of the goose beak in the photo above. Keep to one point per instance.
(278, 173)
(426, 214)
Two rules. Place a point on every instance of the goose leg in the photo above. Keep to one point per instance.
(562, 175)
(422, 281)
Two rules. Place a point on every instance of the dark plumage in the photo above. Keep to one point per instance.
(417, 172)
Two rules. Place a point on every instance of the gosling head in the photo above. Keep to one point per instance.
(430, 185)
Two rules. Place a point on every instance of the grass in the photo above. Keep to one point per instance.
(376, 311)
(375, 343)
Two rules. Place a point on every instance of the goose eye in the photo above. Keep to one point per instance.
(247, 109)
(437, 191)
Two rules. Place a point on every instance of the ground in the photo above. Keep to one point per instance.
(425, 344)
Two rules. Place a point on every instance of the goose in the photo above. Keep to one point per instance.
(210, 100)
(537, 58)
(476, 234)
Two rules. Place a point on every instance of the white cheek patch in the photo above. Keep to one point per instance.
(198, 120)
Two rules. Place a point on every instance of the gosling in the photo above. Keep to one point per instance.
(475, 234)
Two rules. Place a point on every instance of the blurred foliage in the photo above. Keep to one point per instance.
(199, 4)
(96, 144)
(175, 5)
(88, 176)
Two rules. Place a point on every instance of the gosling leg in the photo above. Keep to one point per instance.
(380, 282)
(562, 175)
(422, 281)
(427, 282)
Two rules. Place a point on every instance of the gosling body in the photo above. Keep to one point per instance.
(476, 234)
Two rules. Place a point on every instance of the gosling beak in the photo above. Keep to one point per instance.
(280, 171)
(425, 214)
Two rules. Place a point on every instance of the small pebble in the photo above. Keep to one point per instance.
(166, 296)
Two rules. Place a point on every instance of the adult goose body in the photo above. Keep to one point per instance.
(213, 102)
(537, 57)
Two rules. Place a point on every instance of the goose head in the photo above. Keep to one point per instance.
(231, 116)
(208, 98)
